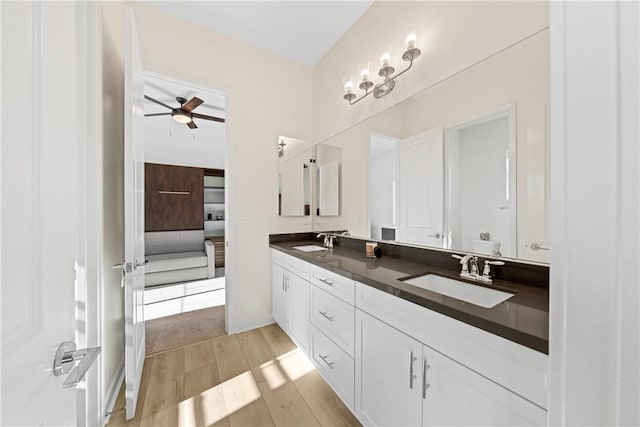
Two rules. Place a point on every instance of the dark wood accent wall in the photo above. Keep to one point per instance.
(214, 172)
(166, 209)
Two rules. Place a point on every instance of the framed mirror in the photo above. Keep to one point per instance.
(460, 166)
(295, 164)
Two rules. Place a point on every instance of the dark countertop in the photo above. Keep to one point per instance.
(523, 318)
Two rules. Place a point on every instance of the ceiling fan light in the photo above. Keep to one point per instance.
(181, 117)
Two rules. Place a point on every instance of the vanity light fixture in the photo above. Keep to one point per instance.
(386, 72)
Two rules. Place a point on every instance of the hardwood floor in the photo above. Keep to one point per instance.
(256, 378)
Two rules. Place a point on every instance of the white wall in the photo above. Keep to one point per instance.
(452, 35)
(257, 113)
(594, 345)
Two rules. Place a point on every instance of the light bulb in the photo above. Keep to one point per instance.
(365, 74)
(347, 83)
(411, 41)
(384, 59)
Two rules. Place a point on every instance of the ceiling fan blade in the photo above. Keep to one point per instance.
(158, 102)
(212, 118)
(157, 114)
(192, 125)
(192, 104)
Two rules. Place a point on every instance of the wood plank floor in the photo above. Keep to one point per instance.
(256, 378)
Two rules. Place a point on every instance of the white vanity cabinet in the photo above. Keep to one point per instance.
(290, 297)
(280, 305)
(400, 381)
(388, 377)
(393, 362)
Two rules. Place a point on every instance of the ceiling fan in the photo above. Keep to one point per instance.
(184, 113)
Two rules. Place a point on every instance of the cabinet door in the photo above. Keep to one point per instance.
(298, 290)
(458, 396)
(388, 374)
(279, 297)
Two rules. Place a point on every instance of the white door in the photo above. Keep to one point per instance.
(458, 396)
(41, 295)
(133, 215)
(388, 379)
(298, 290)
(421, 192)
(279, 296)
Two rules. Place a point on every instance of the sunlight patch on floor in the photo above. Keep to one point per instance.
(273, 374)
(295, 364)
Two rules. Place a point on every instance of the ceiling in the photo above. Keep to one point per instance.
(302, 31)
(167, 141)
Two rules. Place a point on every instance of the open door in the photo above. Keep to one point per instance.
(133, 266)
(421, 193)
(44, 279)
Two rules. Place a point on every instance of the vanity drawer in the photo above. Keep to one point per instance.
(336, 366)
(333, 283)
(293, 264)
(334, 317)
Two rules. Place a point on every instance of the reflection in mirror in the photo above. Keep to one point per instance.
(328, 166)
(462, 165)
(480, 186)
(294, 176)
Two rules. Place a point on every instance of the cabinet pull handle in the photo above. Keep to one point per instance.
(325, 315)
(425, 385)
(411, 376)
(323, 280)
(283, 283)
(286, 284)
(180, 193)
(324, 359)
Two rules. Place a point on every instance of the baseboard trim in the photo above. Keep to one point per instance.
(114, 389)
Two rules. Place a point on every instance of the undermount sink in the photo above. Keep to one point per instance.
(310, 248)
(478, 295)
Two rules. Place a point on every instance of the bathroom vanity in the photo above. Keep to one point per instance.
(405, 354)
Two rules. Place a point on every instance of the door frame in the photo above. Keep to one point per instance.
(89, 286)
(157, 72)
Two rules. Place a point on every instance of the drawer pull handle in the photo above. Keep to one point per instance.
(324, 359)
(425, 385)
(323, 280)
(411, 376)
(325, 315)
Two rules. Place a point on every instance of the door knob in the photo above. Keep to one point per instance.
(537, 247)
(435, 236)
(65, 358)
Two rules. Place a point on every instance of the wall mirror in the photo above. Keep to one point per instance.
(461, 166)
(295, 161)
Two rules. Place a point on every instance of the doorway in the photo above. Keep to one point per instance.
(185, 212)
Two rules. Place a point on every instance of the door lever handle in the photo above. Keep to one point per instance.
(65, 359)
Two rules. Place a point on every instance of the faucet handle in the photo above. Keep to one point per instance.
(463, 262)
(486, 272)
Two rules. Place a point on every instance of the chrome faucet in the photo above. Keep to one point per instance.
(469, 264)
(326, 239)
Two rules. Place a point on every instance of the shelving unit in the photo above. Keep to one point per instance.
(214, 204)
